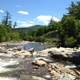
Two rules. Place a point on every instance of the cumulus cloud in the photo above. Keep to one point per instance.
(46, 18)
(23, 12)
(1, 11)
(31, 22)
(55, 19)
(25, 24)
(18, 5)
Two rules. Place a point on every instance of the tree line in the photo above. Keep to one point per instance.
(68, 29)
(6, 29)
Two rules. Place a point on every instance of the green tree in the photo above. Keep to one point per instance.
(70, 42)
(68, 28)
(74, 10)
(7, 19)
(51, 22)
(15, 24)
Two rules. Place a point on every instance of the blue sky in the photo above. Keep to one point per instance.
(34, 12)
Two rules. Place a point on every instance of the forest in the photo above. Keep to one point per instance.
(67, 29)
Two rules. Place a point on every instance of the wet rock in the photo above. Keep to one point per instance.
(66, 76)
(65, 56)
(34, 54)
(10, 49)
(18, 48)
(37, 78)
(70, 66)
(39, 62)
(29, 77)
(77, 72)
(2, 49)
(10, 52)
(41, 53)
(31, 50)
(47, 76)
(6, 55)
(54, 73)
(9, 78)
(23, 54)
(36, 67)
(58, 69)
(44, 59)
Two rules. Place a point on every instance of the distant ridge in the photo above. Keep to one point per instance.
(29, 28)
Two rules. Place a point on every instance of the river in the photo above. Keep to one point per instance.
(36, 45)
(11, 68)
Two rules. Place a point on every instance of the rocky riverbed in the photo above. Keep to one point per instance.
(48, 64)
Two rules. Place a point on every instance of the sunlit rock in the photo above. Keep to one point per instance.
(66, 76)
(39, 62)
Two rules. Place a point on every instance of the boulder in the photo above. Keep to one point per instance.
(2, 49)
(29, 77)
(57, 69)
(41, 53)
(21, 56)
(48, 76)
(39, 62)
(44, 59)
(26, 53)
(17, 48)
(34, 54)
(73, 57)
(31, 50)
(66, 76)
(56, 74)
(8, 55)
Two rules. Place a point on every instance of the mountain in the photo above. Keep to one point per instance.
(29, 28)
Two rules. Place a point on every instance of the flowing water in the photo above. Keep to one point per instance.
(6, 66)
(12, 68)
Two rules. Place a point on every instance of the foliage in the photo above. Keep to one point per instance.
(70, 42)
(6, 31)
(68, 29)
(70, 26)
(74, 10)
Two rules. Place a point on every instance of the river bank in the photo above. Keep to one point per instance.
(20, 64)
(13, 43)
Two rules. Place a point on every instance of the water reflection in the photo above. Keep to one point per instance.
(37, 46)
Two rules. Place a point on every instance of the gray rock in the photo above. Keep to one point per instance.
(29, 77)
(39, 62)
(31, 50)
(66, 76)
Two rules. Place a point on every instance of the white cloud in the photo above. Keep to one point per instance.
(18, 5)
(1, 11)
(31, 22)
(23, 12)
(55, 19)
(46, 18)
(25, 24)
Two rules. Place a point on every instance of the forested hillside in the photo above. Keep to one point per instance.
(68, 29)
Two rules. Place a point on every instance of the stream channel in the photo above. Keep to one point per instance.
(12, 68)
